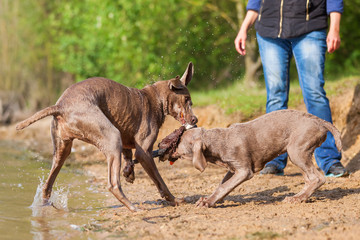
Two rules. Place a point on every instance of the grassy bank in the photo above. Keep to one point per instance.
(252, 101)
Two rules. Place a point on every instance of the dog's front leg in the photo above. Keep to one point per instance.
(128, 171)
(147, 162)
(225, 187)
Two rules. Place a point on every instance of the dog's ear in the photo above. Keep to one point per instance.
(199, 160)
(176, 84)
(187, 76)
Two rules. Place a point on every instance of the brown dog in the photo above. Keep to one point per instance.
(244, 148)
(116, 119)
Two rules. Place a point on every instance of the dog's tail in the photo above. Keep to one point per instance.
(53, 110)
(335, 132)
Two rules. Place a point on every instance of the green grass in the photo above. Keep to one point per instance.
(235, 98)
(251, 102)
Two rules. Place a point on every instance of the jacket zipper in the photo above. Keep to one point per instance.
(307, 10)
(262, 5)
(281, 17)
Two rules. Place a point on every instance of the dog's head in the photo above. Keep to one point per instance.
(176, 98)
(191, 147)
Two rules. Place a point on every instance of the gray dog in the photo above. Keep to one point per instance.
(244, 148)
(116, 119)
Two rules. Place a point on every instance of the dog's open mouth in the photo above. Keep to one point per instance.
(181, 119)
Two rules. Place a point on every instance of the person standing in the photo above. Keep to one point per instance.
(296, 28)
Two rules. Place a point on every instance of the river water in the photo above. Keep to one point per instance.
(77, 202)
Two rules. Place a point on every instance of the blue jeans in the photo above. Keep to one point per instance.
(309, 53)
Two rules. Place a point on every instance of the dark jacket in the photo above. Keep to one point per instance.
(290, 18)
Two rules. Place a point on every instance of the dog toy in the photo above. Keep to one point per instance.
(167, 147)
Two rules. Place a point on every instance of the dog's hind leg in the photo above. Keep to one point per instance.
(62, 149)
(113, 156)
(99, 131)
(313, 178)
(111, 145)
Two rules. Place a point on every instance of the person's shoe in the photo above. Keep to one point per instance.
(337, 170)
(272, 169)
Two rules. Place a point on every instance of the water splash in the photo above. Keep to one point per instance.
(58, 199)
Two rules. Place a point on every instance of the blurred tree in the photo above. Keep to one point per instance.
(9, 25)
(134, 41)
(252, 58)
(26, 57)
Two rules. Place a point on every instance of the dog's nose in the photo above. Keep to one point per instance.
(193, 120)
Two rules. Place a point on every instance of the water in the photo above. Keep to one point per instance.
(77, 202)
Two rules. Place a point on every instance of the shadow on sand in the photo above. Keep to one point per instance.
(266, 196)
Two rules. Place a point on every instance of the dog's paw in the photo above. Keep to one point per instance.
(129, 174)
(204, 202)
(177, 202)
(130, 178)
(134, 209)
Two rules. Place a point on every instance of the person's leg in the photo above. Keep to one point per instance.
(275, 56)
(309, 53)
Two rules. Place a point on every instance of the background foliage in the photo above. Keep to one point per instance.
(47, 45)
(347, 57)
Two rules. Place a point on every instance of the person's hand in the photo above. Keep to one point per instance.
(333, 41)
(240, 42)
(333, 37)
